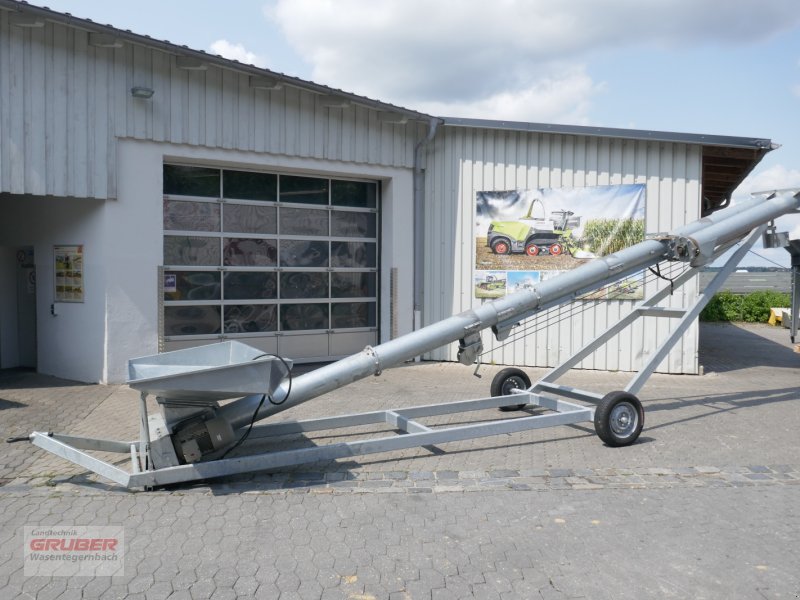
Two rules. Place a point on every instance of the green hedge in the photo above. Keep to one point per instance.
(750, 308)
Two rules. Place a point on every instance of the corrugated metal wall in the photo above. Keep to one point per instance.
(464, 161)
(64, 102)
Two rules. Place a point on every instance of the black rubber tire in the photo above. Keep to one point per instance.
(501, 246)
(505, 381)
(619, 419)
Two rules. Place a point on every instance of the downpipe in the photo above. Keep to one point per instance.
(419, 215)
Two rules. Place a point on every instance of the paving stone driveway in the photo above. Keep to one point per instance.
(29, 402)
(707, 505)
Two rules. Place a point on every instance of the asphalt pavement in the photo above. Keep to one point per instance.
(745, 282)
(705, 505)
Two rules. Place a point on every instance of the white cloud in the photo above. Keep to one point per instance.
(562, 98)
(466, 55)
(237, 52)
(777, 177)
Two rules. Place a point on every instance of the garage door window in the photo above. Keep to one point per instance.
(263, 254)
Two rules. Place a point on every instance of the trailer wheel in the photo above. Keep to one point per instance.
(507, 380)
(501, 247)
(619, 418)
(556, 249)
(531, 249)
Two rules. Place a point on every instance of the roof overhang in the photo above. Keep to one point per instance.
(724, 169)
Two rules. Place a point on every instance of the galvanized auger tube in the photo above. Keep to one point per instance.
(697, 243)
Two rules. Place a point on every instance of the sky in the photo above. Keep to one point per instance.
(720, 67)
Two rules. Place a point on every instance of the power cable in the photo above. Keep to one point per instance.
(767, 259)
(264, 397)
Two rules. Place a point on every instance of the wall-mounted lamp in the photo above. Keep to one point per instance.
(104, 40)
(189, 63)
(392, 117)
(265, 83)
(142, 92)
(332, 101)
(27, 21)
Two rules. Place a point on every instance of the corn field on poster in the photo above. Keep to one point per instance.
(523, 237)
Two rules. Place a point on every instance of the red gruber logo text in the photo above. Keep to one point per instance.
(73, 544)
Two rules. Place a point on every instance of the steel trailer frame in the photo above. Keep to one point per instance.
(691, 246)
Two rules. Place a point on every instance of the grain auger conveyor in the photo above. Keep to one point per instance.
(192, 436)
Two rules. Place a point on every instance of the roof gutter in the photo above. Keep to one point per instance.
(204, 57)
(419, 219)
(614, 132)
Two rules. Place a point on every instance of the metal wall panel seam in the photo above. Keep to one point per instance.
(229, 115)
(348, 139)
(678, 205)
(103, 141)
(91, 109)
(4, 101)
(214, 107)
(34, 114)
(306, 125)
(60, 104)
(277, 123)
(15, 129)
(194, 133)
(80, 114)
(49, 111)
(161, 115)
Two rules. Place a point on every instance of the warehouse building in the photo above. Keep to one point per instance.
(154, 197)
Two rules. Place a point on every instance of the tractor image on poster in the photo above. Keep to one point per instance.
(492, 283)
(534, 234)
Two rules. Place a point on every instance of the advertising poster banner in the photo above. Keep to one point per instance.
(523, 237)
(68, 273)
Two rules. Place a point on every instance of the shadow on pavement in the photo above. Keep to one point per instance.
(732, 401)
(22, 378)
(726, 347)
(307, 474)
(4, 404)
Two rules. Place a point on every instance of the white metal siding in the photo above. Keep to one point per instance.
(63, 103)
(464, 161)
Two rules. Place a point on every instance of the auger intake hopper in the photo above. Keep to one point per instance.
(207, 373)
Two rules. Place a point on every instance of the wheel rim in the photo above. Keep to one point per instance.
(532, 250)
(501, 247)
(624, 419)
(555, 249)
(512, 383)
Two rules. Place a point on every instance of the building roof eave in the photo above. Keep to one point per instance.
(726, 160)
(211, 59)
